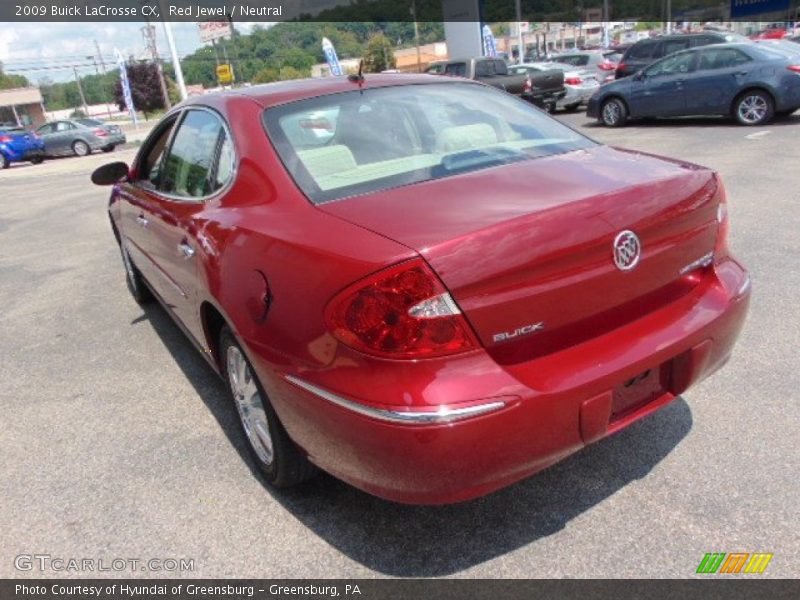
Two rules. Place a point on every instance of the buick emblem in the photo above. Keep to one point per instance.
(627, 250)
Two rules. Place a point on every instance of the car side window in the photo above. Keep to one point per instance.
(641, 51)
(671, 46)
(188, 167)
(482, 69)
(63, 126)
(45, 129)
(722, 58)
(456, 69)
(672, 65)
(151, 158)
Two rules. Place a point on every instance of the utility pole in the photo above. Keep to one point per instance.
(669, 17)
(416, 34)
(176, 63)
(80, 91)
(520, 43)
(149, 32)
(103, 66)
(97, 70)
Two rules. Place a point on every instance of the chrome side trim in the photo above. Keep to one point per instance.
(703, 261)
(443, 415)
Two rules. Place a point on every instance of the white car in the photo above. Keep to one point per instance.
(579, 83)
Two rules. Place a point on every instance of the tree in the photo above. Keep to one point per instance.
(145, 87)
(266, 75)
(379, 54)
(8, 82)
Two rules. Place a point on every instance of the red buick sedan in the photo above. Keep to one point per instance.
(426, 287)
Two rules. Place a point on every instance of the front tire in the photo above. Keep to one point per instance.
(278, 459)
(614, 113)
(136, 285)
(4, 162)
(80, 148)
(754, 108)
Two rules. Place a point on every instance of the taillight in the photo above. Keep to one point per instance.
(4, 139)
(401, 312)
(528, 84)
(100, 132)
(573, 80)
(621, 67)
(723, 223)
(795, 68)
(607, 66)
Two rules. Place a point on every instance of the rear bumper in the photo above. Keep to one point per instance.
(109, 140)
(541, 98)
(547, 408)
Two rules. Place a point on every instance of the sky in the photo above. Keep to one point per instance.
(38, 50)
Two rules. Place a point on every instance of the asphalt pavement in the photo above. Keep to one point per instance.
(117, 441)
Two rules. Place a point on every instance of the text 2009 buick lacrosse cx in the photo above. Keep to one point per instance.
(428, 288)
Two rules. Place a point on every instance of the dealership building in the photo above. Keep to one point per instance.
(22, 106)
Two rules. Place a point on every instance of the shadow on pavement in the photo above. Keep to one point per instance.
(419, 541)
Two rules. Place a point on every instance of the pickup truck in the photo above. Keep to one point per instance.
(543, 89)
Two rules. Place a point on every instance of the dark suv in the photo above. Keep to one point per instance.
(647, 51)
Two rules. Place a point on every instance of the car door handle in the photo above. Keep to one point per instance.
(141, 220)
(185, 249)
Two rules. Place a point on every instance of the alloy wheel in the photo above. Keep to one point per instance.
(611, 113)
(249, 404)
(80, 148)
(753, 109)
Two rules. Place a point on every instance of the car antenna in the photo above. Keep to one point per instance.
(359, 79)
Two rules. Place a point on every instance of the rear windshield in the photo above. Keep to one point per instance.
(359, 142)
(576, 60)
(90, 122)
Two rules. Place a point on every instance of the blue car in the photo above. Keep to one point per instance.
(747, 81)
(18, 145)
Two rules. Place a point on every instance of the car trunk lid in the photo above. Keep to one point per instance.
(526, 249)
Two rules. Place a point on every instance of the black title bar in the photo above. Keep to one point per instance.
(491, 11)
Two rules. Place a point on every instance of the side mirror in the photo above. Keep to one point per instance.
(110, 174)
(639, 76)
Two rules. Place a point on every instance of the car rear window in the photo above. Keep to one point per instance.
(359, 142)
(576, 60)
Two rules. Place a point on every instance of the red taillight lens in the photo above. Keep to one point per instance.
(400, 312)
(4, 139)
(607, 66)
(573, 80)
(723, 223)
(100, 132)
(621, 67)
(795, 68)
(528, 84)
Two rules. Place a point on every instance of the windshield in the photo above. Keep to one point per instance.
(362, 141)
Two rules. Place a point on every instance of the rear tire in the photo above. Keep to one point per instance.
(753, 108)
(108, 148)
(136, 285)
(37, 161)
(613, 113)
(572, 107)
(80, 148)
(278, 459)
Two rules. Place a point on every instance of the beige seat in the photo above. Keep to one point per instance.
(465, 137)
(327, 160)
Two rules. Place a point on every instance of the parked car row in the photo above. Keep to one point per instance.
(68, 137)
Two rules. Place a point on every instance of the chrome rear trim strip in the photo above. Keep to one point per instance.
(443, 415)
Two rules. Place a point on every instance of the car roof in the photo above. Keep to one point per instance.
(281, 92)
